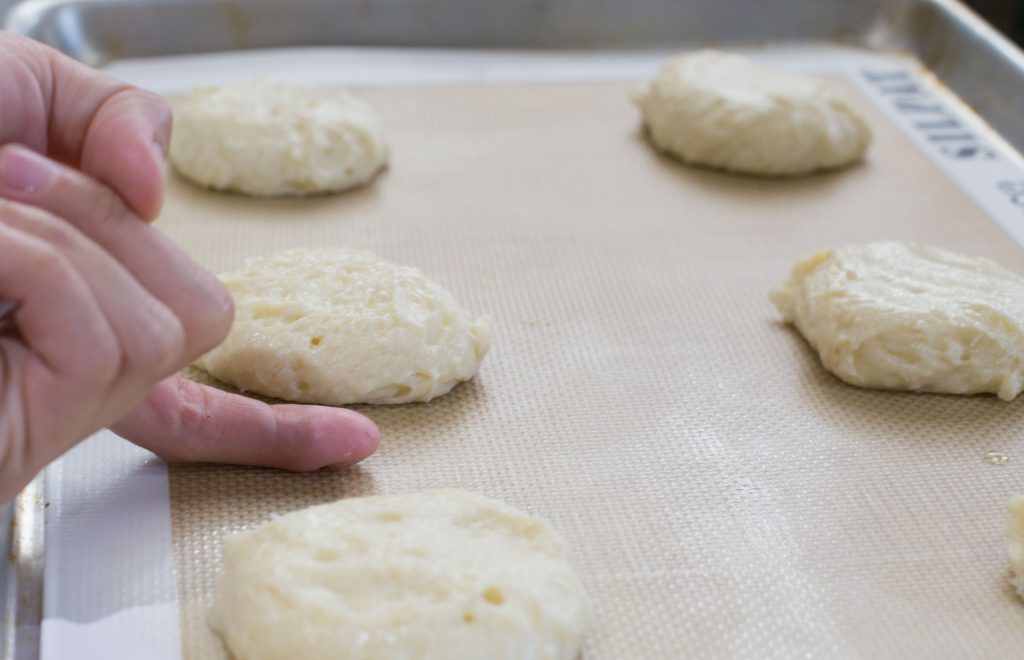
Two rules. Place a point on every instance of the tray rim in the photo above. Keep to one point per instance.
(895, 26)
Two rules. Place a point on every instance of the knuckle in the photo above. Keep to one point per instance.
(160, 346)
(170, 344)
(166, 345)
(191, 420)
(103, 363)
(41, 224)
(104, 207)
(46, 262)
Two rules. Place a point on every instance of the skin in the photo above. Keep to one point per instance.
(102, 310)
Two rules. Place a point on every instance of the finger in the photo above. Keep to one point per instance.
(186, 421)
(150, 337)
(56, 314)
(112, 131)
(125, 144)
(197, 298)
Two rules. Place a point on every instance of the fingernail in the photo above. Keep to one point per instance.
(25, 171)
(362, 440)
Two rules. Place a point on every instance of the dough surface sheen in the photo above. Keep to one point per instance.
(726, 111)
(268, 139)
(436, 574)
(902, 316)
(336, 326)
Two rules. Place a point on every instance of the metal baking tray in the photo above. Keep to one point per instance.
(971, 58)
(983, 68)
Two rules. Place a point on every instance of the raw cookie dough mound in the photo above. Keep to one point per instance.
(264, 138)
(336, 326)
(726, 111)
(1015, 541)
(910, 317)
(437, 574)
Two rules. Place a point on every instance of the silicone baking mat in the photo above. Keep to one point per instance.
(725, 496)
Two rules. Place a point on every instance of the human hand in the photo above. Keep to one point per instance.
(107, 308)
(111, 131)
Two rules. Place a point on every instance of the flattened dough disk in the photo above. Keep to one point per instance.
(336, 326)
(727, 111)
(436, 574)
(902, 316)
(268, 139)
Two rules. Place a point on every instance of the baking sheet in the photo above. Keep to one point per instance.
(724, 496)
(110, 587)
(969, 55)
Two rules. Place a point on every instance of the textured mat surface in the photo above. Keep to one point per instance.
(724, 495)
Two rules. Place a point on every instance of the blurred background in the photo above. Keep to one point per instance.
(1006, 15)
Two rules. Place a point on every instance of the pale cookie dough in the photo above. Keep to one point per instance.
(336, 326)
(1015, 541)
(437, 574)
(729, 112)
(263, 138)
(910, 317)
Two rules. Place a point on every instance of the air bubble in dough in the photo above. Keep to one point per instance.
(726, 111)
(436, 574)
(901, 316)
(336, 326)
(266, 139)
